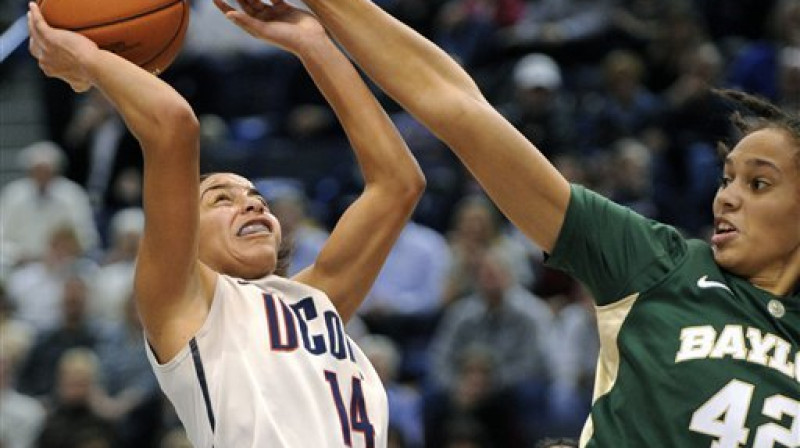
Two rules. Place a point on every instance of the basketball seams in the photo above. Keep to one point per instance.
(180, 29)
(126, 19)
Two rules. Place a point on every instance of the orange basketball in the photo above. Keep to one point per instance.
(148, 33)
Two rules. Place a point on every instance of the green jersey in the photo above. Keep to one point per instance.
(691, 355)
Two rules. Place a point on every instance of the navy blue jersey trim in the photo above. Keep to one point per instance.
(201, 377)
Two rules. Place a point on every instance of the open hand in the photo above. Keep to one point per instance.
(279, 23)
(58, 51)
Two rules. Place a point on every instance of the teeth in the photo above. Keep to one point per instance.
(725, 228)
(253, 228)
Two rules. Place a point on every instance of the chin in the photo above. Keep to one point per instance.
(733, 265)
(724, 259)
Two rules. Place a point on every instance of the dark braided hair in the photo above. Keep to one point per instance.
(766, 114)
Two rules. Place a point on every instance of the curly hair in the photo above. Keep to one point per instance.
(753, 113)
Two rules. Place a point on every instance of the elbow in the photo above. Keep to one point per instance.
(412, 188)
(169, 123)
(417, 185)
(177, 123)
(180, 118)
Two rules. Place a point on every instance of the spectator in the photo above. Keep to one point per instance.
(36, 289)
(566, 28)
(624, 107)
(469, 412)
(16, 335)
(789, 83)
(500, 316)
(631, 177)
(105, 158)
(755, 67)
(21, 416)
(42, 201)
(412, 281)
(539, 106)
(571, 348)
(695, 120)
(112, 284)
(74, 421)
(680, 31)
(37, 376)
(636, 23)
(475, 228)
(134, 400)
(465, 29)
(405, 301)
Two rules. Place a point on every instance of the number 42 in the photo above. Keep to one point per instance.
(723, 416)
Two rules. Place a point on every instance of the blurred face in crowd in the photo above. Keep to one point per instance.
(238, 234)
(494, 277)
(76, 378)
(757, 207)
(474, 222)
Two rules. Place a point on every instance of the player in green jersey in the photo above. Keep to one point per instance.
(700, 341)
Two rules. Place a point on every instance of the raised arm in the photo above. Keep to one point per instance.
(167, 130)
(359, 244)
(440, 94)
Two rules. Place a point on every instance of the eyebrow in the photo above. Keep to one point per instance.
(756, 163)
(250, 190)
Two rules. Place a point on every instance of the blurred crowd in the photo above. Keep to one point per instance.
(477, 342)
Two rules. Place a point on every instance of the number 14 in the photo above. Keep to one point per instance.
(358, 419)
(723, 416)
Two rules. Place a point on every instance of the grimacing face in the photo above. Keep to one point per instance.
(757, 207)
(238, 235)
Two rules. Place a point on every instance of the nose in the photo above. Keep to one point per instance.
(728, 198)
(253, 205)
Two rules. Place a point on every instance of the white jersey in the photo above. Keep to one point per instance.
(272, 367)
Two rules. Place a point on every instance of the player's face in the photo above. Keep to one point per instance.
(757, 207)
(238, 234)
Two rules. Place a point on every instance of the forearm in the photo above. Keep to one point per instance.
(415, 72)
(151, 108)
(380, 150)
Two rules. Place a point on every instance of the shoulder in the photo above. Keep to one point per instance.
(14, 189)
(66, 186)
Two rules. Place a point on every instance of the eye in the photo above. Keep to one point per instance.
(221, 199)
(724, 181)
(759, 184)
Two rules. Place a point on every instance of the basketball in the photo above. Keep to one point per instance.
(148, 33)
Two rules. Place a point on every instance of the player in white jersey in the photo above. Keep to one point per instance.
(248, 358)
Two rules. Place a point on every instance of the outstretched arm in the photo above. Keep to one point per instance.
(438, 92)
(166, 280)
(359, 244)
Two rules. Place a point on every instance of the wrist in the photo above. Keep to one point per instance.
(316, 48)
(89, 61)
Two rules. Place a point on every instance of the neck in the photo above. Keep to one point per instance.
(785, 282)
